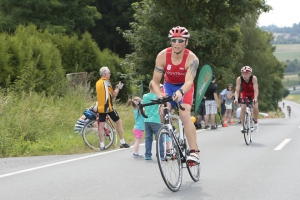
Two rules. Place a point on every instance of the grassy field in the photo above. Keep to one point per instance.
(294, 98)
(285, 52)
(291, 80)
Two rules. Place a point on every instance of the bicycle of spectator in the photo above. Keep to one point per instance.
(172, 148)
(248, 125)
(90, 132)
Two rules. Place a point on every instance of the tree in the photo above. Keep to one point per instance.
(60, 16)
(258, 54)
(214, 28)
(117, 13)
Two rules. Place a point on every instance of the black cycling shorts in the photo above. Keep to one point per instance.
(113, 115)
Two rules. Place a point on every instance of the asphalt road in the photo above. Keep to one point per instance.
(269, 168)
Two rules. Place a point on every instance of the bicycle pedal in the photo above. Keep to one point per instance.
(191, 163)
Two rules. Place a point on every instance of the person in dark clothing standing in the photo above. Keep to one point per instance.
(211, 103)
(201, 114)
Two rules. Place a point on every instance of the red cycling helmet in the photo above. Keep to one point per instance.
(179, 32)
(246, 69)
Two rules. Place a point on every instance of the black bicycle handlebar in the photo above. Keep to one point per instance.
(247, 101)
(157, 101)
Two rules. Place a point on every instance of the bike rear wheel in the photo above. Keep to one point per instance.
(91, 138)
(168, 158)
(246, 126)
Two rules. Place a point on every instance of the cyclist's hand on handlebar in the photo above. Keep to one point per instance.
(162, 95)
(254, 101)
(177, 96)
(235, 102)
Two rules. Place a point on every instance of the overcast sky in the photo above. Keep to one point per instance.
(284, 13)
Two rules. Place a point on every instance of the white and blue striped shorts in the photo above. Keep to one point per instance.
(210, 107)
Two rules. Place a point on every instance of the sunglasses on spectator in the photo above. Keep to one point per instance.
(178, 40)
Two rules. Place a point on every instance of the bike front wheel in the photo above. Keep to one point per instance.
(169, 160)
(251, 129)
(246, 127)
(91, 138)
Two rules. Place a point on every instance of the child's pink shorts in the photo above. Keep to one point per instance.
(138, 133)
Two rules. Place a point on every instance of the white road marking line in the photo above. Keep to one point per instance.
(282, 144)
(57, 163)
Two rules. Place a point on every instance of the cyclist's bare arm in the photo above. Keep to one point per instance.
(255, 86)
(191, 67)
(237, 89)
(158, 72)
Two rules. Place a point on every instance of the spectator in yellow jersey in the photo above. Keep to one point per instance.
(105, 94)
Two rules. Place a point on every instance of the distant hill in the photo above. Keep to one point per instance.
(284, 35)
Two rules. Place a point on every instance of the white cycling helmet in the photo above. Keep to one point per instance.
(179, 32)
(246, 69)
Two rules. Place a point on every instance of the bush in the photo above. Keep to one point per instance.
(35, 60)
(31, 63)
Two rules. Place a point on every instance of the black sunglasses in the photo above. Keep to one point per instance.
(178, 40)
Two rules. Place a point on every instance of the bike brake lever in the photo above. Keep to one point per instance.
(177, 103)
(141, 109)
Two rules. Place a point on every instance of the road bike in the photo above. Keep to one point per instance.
(248, 125)
(172, 148)
(90, 133)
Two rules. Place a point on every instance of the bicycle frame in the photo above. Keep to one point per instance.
(181, 140)
(108, 120)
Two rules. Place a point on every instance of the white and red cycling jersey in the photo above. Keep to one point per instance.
(174, 77)
(175, 74)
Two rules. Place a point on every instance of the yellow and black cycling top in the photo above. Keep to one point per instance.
(104, 91)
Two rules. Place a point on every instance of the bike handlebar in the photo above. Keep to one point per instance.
(247, 101)
(157, 101)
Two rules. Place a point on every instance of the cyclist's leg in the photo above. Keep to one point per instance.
(190, 132)
(101, 124)
(255, 111)
(255, 115)
(242, 116)
(115, 117)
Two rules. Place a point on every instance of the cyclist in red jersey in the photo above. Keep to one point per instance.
(179, 66)
(247, 84)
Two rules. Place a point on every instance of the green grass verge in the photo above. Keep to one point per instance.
(34, 124)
